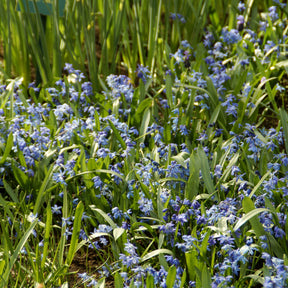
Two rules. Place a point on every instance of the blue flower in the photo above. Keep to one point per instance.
(143, 73)
(56, 209)
(273, 13)
(120, 85)
(97, 182)
(230, 37)
(241, 6)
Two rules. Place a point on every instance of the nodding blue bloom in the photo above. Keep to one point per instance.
(132, 259)
(103, 152)
(209, 38)
(218, 171)
(120, 85)
(67, 233)
(66, 221)
(124, 275)
(69, 68)
(33, 217)
(181, 218)
(244, 62)
(181, 18)
(268, 46)
(185, 44)
(97, 182)
(178, 16)
(241, 6)
(240, 20)
(178, 56)
(278, 232)
(59, 177)
(62, 110)
(23, 251)
(173, 16)
(168, 228)
(230, 37)
(235, 170)
(143, 73)
(183, 130)
(145, 205)
(273, 13)
(56, 209)
(203, 137)
(218, 132)
(117, 213)
(92, 282)
(189, 243)
(263, 25)
(84, 216)
(280, 88)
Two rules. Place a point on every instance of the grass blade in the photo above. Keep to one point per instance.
(75, 235)
(16, 252)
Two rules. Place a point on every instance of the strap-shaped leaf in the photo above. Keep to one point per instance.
(156, 253)
(249, 216)
(9, 145)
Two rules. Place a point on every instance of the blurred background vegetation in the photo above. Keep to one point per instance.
(101, 37)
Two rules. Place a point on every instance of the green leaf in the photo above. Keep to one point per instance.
(192, 264)
(6, 206)
(259, 183)
(65, 285)
(2, 265)
(75, 235)
(43, 189)
(8, 148)
(284, 121)
(206, 277)
(156, 253)
(181, 158)
(159, 204)
(104, 171)
(22, 98)
(48, 226)
(213, 119)
(97, 121)
(104, 215)
(170, 280)
(283, 63)
(116, 133)
(10, 192)
(117, 232)
(144, 125)
(118, 282)
(205, 169)
(169, 91)
(91, 238)
(183, 279)
(20, 176)
(248, 217)
(143, 106)
(149, 281)
(248, 206)
(192, 186)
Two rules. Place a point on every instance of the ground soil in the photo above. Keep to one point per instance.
(87, 262)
